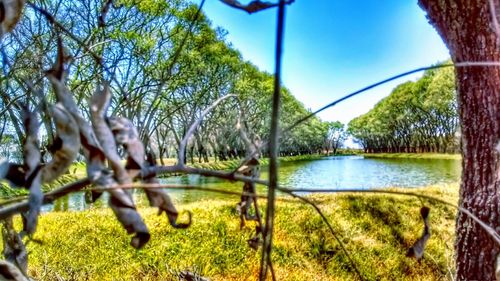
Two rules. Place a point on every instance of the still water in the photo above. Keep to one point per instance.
(339, 172)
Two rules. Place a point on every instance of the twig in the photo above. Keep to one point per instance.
(273, 149)
(176, 186)
(61, 27)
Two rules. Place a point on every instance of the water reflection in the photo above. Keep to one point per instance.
(341, 172)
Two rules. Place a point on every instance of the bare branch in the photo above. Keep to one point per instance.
(104, 12)
(61, 27)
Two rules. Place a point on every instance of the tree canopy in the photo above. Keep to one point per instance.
(418, 116)
(165, 63)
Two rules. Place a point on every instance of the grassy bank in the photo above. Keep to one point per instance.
(376, 229)
(232, 164)
(414, 155)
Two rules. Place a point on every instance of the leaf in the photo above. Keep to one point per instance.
(69, 139)
(99, 104)
(417, 250)
(10, 272)
(10, 12)
(14, 249)
(120, 202)
(126, 134)
(13, 173)
(33, 177)
(131, 221)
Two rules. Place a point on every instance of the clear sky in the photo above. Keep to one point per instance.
(335, 47)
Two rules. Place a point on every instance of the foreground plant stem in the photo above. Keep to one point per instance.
(273, 151)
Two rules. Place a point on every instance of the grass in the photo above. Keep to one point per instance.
(233, 164)
(414, 155)
(7, 192)
(377, 230)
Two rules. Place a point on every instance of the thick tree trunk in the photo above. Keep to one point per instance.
(467, 29)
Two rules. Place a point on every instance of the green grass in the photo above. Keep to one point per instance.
(7, 192)
(414, 155)
(233, 164)
(376, 230)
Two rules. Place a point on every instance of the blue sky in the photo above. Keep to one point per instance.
(335, 47)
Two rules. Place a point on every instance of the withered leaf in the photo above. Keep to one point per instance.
(126, 134)
(10, 12)
(33, 177)
(417, 250)
(14, 249)
(69, 139)
(131, 221)
(57, 76)
(10, 272)
(13, 173)
(99, 104)
(120, 202)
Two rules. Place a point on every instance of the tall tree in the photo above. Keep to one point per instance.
(468, 29)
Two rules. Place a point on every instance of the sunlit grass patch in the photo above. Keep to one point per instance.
(375, 229)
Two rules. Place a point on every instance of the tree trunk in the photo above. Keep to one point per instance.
(466, 28)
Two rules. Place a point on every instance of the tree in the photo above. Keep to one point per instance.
(335, 137)
(468, 29)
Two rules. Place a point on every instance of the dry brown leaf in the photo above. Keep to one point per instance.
(10, 13)
(68, 137)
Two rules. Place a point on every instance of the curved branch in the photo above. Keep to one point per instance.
(182, 146)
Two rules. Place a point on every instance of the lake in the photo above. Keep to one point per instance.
(338, 172)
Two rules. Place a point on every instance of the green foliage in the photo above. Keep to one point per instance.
(168, 66)
(414, 155)
(417, 116)
(376, 230)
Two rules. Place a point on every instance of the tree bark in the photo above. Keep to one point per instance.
(467, 29)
